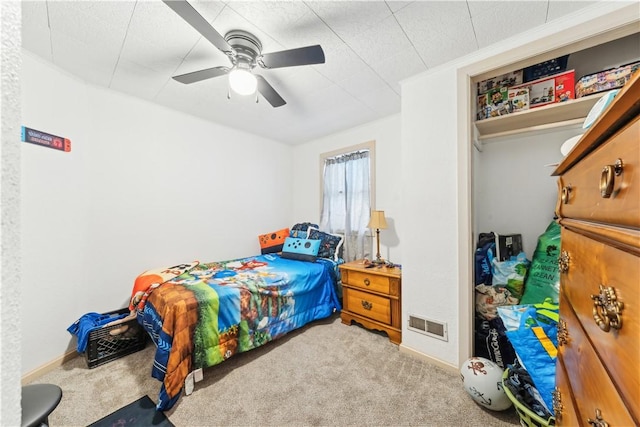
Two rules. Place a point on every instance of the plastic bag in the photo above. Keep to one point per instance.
(491, 342)
(536, 343)
(543, 280)
(511, 273)
(483, 256)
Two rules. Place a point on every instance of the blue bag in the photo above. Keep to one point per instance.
(536, 343)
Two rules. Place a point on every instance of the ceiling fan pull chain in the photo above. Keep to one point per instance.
(228, 93)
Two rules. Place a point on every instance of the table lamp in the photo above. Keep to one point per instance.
(378, 222)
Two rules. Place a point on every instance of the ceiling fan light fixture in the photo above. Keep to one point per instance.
(242, 81)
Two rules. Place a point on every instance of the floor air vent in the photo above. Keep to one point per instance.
(428, 327)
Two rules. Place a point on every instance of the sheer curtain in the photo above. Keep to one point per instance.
(346, 201)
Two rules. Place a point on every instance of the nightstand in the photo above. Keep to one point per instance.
(371, 297)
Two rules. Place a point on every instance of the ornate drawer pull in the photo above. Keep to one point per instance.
(599, 421)
(563, 333)
(366, 305)
(607, 178)
(566, 192)
(563, 262)
(607, 309)
(557, 403)
(367, 282)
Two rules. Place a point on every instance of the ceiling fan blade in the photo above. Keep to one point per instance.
(193, 18)
(197, 76)
(293, 57)
(269, 92)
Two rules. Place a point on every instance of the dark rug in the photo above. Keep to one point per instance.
(141, 413)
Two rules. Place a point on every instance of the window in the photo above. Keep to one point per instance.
(347, 178)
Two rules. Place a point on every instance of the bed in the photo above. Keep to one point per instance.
(210, 311)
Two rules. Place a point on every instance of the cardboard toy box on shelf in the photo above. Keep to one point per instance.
(605, 80)
(518, 99)
(505, 80)
(556, 88)
(493, 103)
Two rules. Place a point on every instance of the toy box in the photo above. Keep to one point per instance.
(518, 99)
(497, 102)
(508, 245)
(505, 80)
(482, 107)
(545, 69)
(557, 88)
(606, 80)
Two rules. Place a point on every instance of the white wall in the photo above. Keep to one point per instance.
(515, 192)
(10, 267)
(143, 186)
(437, 177)
(430, 182)
(306, 176)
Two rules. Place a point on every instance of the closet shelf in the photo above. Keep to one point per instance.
(572, 112)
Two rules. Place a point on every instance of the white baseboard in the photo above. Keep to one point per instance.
(48, 367)
(432, 360)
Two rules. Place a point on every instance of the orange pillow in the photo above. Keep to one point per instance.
(272, 242)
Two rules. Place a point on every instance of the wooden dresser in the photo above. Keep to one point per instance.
(371, 297)
(598, 368)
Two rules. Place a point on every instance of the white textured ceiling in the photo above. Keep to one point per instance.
(136, 46)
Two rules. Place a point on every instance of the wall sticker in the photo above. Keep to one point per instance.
(45, 139)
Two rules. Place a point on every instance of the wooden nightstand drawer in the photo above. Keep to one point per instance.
(369, 282)
(369, 305)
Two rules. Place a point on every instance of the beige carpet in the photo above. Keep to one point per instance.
(325, 374)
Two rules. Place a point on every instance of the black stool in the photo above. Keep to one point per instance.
(38, 401)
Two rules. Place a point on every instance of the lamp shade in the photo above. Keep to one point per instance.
(377, 220)
(242, 81)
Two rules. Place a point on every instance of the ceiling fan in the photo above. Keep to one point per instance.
(245, 53)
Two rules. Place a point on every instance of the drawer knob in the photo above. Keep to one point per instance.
(566, 192)
(563, 262)
(563, 333)
(599, 421)
(607, 178)
(366, 305)
(367, 282)
(607, 309)
(557, 403)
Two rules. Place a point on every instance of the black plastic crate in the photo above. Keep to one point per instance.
(113, 342)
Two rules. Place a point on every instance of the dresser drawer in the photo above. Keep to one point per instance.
(566, 415)
(369, 282)
(580, 193)
(590, 384)
(591, 264)
(368, 305)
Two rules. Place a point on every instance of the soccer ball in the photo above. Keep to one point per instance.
(482, 379)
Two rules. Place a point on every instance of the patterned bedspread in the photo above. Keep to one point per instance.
(215, 310)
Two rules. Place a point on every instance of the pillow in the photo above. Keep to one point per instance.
(330, 244)
(300, 249)
(299, 230)
(272, 242)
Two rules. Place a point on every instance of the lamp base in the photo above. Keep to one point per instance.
(379, 261)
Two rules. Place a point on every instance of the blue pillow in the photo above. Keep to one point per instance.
(330, 244)
(300, 249)
(299, 230)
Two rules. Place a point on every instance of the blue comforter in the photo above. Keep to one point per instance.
(218, 309)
